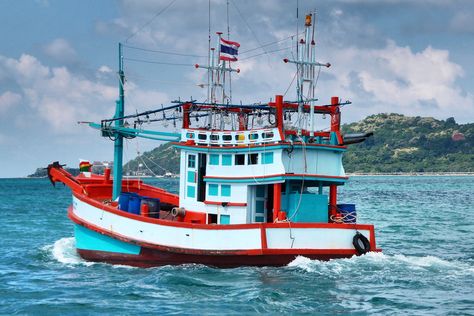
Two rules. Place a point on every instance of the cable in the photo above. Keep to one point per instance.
(162, 52)
(156, 62)
(266, 53)
(149, 21)
(268, 44)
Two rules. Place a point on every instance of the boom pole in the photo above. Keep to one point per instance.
(118, 144)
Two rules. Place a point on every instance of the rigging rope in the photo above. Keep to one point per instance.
(162, 52)
(149, 21)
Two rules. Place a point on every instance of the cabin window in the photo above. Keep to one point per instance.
(202, 136)
(240, 137)
(253, 136)
(253, 159)
(227, 160)
(225, 219)
(268, 135)
(225, 190)
(227, 137)
(267, 158)
(191, 161)
(213, 189)
(190, 135)
(239, 159)
(214, 159)
(191, 191)
(214, 137)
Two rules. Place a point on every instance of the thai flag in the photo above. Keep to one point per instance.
(229, 50)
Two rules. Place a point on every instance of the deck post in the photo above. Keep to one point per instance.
(279, 114)
(276, 200)
(332, 200)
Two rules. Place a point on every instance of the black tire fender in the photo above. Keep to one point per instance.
(361, 243)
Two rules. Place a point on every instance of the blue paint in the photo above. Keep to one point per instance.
(191, 191)
(90, 240)
(134, 202)
(267, 158)
(124, 199)
(313, 208)
(227, 160)
(118, 143)
(214, 159)
(225, 219)
(252, 180)
(213, 189)
(191, 176)
(225, 190)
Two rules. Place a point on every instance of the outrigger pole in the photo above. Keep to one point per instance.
(118, 143)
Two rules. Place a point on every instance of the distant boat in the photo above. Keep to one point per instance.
(254, 189)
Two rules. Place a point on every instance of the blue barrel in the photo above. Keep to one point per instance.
(153, 206)
(134, 204)
(348, 212)
(124, 198)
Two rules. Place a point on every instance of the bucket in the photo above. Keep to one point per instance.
(348, 212)
(124, 198)
(134, 204)
(153, 206)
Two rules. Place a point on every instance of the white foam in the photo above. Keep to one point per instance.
(380, 260)
(64, 251)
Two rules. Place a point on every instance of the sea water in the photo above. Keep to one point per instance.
(424, 224)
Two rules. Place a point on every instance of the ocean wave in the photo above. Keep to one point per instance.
(64, 251)
(378, 260)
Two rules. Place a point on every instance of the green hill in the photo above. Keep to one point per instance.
(411, 144)
(399, 144)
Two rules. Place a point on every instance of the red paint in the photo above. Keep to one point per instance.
(281, 216)
(308, 145)
(280, 175)
(144, 210)
(279, 114)
(227, 203)
(276, 200)
(106, 175)
(332, 200)
(263, 238)
(186, 121)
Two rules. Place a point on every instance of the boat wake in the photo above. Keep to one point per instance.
(375, 261)
(64, 251)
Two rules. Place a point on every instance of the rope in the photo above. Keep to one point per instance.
(149, 21)
(162, 52)
(157, 62)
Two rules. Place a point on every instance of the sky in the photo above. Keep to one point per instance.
(58, 64)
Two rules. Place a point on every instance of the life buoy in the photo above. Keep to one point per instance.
(361, 243)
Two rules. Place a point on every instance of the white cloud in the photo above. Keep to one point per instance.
(61, 98)
(8, 100)
(60, 50)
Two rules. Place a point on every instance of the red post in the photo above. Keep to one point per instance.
(106, 175)
(276, 200)
(279, 114)
(335, 115)
(186, 115)
(332, 200)
(242, 124)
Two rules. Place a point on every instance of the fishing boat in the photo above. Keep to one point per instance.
(258, 183)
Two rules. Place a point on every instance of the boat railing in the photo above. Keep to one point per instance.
(231, 138)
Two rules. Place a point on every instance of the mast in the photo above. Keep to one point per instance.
(118, 143)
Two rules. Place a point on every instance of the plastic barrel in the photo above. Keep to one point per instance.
(153, 206)
(134, 204)
(124, 198)
(348, 212)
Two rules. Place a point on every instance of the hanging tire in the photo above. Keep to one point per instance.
(361, 243)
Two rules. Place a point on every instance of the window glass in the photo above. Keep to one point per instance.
(267, 158)
(225, 190)
(239, 159)
(191, 161)
(227, 137)
(226, 160)
(191, 191)
(213, 189)
(214, 159)
(253, 159)
(202, 136)
(268, 135)
(214, 137)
